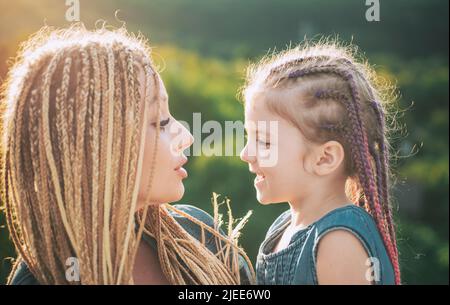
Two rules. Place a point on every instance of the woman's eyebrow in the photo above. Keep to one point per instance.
(164, 98)
(162, 122)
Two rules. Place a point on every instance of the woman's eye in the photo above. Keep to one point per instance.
(162, 124)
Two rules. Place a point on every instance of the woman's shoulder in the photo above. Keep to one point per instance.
(192, 227)
(209, 239)
(192, 211)
(23, 276)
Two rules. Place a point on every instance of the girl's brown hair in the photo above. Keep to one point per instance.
(331, 94)
(73, 141)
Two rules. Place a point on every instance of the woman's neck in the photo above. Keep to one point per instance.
(147, 268)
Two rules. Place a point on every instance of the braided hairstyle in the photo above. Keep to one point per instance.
(336, 97)
(72, 159)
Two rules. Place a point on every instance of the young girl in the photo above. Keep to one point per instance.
(90, 155)
(331, 165)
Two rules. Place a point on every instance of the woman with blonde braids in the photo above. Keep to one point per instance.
(90, 156)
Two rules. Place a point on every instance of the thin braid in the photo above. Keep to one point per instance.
(34, 136)
(125, 153)
(44, 194)
(384, 158)
(151, 77)
(65, 144)
(19, 235)
(136, 148)
(383, 197)
(11, 222)
(11, 168)
(95, 159)
(108, 177)
(293, 63)
(102, 141)
(46, 152)
(79, 165)
(382, 166)
(382, 169)
(189, 246)
(134, 170)
(118, 136)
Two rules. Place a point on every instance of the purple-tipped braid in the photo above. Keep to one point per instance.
(375, 192)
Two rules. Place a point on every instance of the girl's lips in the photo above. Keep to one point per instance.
(259, 179)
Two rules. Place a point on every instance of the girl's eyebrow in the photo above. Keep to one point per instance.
(267, 133)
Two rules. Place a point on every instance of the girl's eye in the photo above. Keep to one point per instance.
(162, 124)
(266, 144)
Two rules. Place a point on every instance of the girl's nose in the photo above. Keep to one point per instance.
(245, 156)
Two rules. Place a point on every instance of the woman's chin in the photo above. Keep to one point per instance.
(173, 194)
(176, 193)
(179, 193)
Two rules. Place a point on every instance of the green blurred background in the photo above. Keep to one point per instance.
(204, 46)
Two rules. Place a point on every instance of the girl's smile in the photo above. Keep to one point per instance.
(259, 179)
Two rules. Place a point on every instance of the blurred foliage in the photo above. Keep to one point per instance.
(202, 48)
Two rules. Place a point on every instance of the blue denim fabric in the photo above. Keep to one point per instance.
(23, 276)
(296, 264)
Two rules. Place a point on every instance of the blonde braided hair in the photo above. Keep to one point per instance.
(72, 159)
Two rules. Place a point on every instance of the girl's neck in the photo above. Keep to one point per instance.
(317, 204)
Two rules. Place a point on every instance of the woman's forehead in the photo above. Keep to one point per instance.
(162, 92)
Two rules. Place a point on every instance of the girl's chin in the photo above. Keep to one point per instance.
(263, 199)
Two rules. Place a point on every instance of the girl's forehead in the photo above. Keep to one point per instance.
(259, 118)
(256, 108)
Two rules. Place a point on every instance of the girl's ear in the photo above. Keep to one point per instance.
(328, 158)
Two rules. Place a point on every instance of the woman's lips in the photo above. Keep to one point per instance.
(182, 172)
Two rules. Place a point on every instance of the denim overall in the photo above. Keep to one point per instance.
(296, 264)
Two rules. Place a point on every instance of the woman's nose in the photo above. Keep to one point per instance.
(186, 139)
(189, 140)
